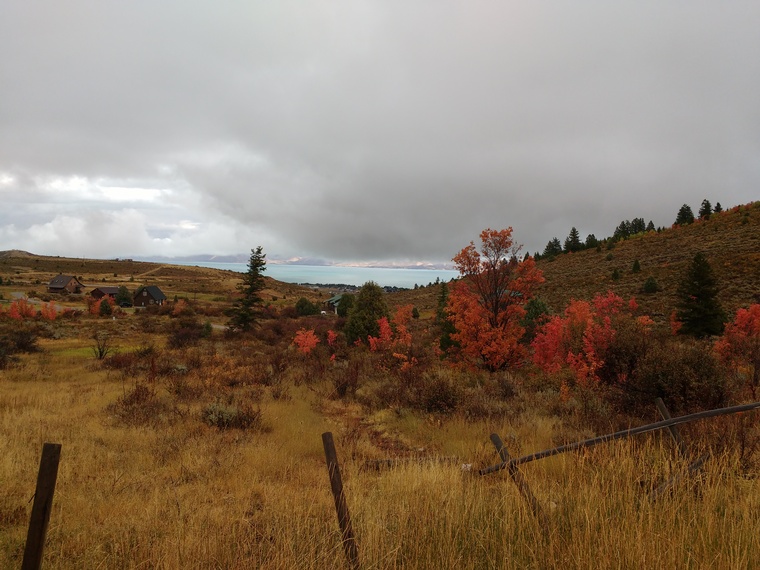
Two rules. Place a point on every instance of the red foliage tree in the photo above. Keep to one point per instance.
(487, 305)
(49, 311)
(600, 341)
(305, 340)
(740, 345)
(21, 309)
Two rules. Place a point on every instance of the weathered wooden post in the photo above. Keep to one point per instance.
(42, 506)
(341, 508)
(694, 467)
(672, 429)
(522, 485)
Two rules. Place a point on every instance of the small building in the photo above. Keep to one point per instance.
(65, 284)
(333, 302)
(147, 296)
(100, 292)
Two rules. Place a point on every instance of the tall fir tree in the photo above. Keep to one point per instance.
(369, 307)
(246, 309)
(573, 241)
(685, 216)
(705, 210)
(699, 310)
(554, 247)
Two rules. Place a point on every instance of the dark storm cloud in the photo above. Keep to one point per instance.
(368, 130)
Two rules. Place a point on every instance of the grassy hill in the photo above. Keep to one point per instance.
(730, 240)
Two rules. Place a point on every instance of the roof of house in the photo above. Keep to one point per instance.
(60, 281)
(154, 292)
(107, 290)
(335, 299)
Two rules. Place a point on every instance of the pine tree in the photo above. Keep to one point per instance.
(246, 309)
(699, 310)
(369, 307)
(591, 241)
(705, 210)
(636, 266)
(554, 247)
(650, 226)
(685, 216)
(573, 241)
(718, 208)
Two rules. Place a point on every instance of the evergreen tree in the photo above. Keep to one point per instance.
(705, 210)
(554, 247)
(718, 208)
(685, 216)
(123, 297)
(650, 286)
(536, 314)
(623, 231)
(345, 304)
(699, 310)
(638, 226)
(304, 307)
(573, 241)
(591, 241)
(246, 310)
(636, 266)
(650, 226)
(369, 307)
(442, 319)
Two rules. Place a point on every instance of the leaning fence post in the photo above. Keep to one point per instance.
(693, 467)
(522, 485)
(341, 508)
(672, 429)
(42, 506)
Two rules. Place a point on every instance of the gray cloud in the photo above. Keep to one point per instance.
(366, 130)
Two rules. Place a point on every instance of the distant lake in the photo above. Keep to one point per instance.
(383, 276)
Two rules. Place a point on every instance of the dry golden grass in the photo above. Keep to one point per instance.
(172, 492)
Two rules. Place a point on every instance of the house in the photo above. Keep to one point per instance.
(333, 302)
(147, 296)
(65, 284)
(100, 292)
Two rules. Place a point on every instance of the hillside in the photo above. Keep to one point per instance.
(730, 240)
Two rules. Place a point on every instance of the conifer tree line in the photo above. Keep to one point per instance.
(623, 230)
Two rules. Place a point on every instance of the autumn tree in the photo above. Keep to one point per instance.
(601, 341)
(699, 311)
(740, 345)
(246, 309)
(369, 307)
(486, 306)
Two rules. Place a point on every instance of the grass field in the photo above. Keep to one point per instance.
(149, 484)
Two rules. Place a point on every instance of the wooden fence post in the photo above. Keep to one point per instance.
(42, 506)
(693, 467)
(672, 429)
(522, 485)
(341, 508)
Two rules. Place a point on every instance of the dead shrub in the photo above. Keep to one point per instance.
(229, 414)
(141, 405)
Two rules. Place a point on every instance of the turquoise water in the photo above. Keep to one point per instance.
(383, 276)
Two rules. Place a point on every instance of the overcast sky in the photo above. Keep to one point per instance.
(366, 130)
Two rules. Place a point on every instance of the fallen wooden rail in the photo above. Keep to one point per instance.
(619, 435)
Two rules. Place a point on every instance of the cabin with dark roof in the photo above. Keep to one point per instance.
(100, 292)
(147, 296)
(65, 284)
